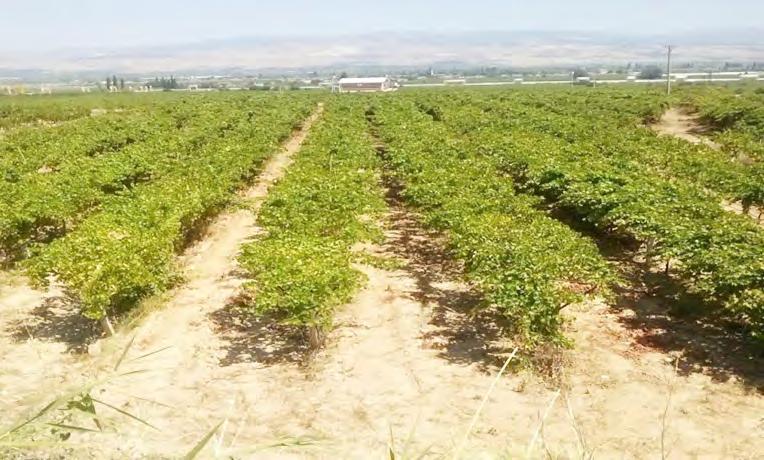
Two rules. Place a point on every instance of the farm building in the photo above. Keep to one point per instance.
(364, 84)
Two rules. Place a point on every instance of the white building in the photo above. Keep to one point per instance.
(366, 84)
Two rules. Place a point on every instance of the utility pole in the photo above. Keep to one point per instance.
(668, 69)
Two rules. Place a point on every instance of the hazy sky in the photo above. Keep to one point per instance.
(53, 24)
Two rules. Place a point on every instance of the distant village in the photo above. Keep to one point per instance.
(365, 80)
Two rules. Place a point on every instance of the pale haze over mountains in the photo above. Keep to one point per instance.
(146, 36)
(516, 49)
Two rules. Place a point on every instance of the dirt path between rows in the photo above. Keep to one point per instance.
(678, 123)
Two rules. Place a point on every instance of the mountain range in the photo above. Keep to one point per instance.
(516, 49)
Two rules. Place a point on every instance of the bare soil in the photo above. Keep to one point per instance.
(679, 123)
(404, 371)
(41, 334)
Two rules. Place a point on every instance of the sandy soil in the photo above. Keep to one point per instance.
(40, 337)
(678, 123)
(405, 370)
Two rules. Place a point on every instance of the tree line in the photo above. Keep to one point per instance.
(113, 83)
(165, 83)
(157, 82)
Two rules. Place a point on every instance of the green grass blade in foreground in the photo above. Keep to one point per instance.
(197, 449)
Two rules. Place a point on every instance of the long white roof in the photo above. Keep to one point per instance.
(355, 80)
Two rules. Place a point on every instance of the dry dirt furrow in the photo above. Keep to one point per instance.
(677, 123)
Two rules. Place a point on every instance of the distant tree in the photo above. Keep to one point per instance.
(171, 83)
(651, 72)
(580, 73)
(108, 84)
(121, 83)
(344, 75)
(114, 81)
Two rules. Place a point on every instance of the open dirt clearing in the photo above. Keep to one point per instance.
(405, 370)
(678, 123)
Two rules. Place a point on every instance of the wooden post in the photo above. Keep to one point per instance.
(106, 326)
(649, 246)
(315, 337)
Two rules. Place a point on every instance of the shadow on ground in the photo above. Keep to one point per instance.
(669, 319)
(258, 339)
(666, 319)
(57, 319)
(465, 331)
